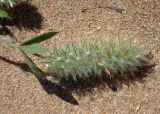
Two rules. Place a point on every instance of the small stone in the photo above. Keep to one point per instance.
(99, 28)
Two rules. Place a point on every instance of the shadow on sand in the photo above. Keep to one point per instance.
(49, 86)
(64, 88)
(24, 16)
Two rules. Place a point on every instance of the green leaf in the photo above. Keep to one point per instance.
(8, 40)
(33, 49)
(4, 14)
(39, 38)
(38, 72)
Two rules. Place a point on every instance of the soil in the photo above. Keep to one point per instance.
(75, 20)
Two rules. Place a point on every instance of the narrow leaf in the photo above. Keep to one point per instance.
(4, 14)
(33, 49)
(7, 40)
(38, 72)
(39, 38)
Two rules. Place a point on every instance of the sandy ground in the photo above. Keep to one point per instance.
(22, 93)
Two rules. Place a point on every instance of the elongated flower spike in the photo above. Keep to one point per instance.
(79, 60)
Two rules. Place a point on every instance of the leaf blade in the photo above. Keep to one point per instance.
(38, 72)
(39, 38)
(4, 14)
(34, 48)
